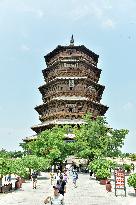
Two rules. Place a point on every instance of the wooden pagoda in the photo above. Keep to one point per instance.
(71, 87)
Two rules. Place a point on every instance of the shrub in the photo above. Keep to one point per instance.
(101, 163)
(132, 180)
(127, 167)
(103, 173)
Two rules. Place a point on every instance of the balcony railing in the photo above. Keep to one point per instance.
(55, 94)
(61, 115)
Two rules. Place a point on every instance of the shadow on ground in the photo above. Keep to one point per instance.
(43, 178)
(132, 194)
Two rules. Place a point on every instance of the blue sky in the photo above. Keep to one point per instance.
(29, 29)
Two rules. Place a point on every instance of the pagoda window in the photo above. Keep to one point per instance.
(70, 51)
(80, 108)
(70, 64)
(61, 65)
(71, 84)
(70, 109)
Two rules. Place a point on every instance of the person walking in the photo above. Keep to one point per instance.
(75, 177)
(34, 179)
(52, 177)
(57, 175)
(65, 176)
(62, 185)
(56, 199)
(90, 173)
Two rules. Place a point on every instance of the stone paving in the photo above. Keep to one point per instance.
(88, 192)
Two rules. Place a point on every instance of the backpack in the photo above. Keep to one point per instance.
(34, 175)
(75, 175)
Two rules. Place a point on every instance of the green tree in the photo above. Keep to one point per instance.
(11, 154)
(12, 166)
(133, 157)
(10, 163)
(35, 163)
(19, 168)
(51, 144)
(22, 166)
(115, 141)
(16, 154)
(95, 139)
(4, 153)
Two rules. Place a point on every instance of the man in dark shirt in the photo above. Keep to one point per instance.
(34, 179)
(62, 185)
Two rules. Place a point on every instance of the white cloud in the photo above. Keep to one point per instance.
(128, 106)
(108, 23)
(25, 47)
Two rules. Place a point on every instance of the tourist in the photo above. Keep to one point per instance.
(90, 173)
(9, 178)
(56, 199)
(65, 176)
(57, 176)
(34, 179)
(62, 185)
(75, 177)
(52, 177)
(70, 171)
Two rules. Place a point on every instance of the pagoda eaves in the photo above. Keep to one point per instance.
(71, 87)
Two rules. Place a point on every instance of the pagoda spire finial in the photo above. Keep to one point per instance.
(72, 41)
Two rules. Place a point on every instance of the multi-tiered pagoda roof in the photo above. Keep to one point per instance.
(71, 87)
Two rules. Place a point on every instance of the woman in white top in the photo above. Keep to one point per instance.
(56, 199)
(57, 175)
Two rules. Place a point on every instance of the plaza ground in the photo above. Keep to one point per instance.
(88, 192)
